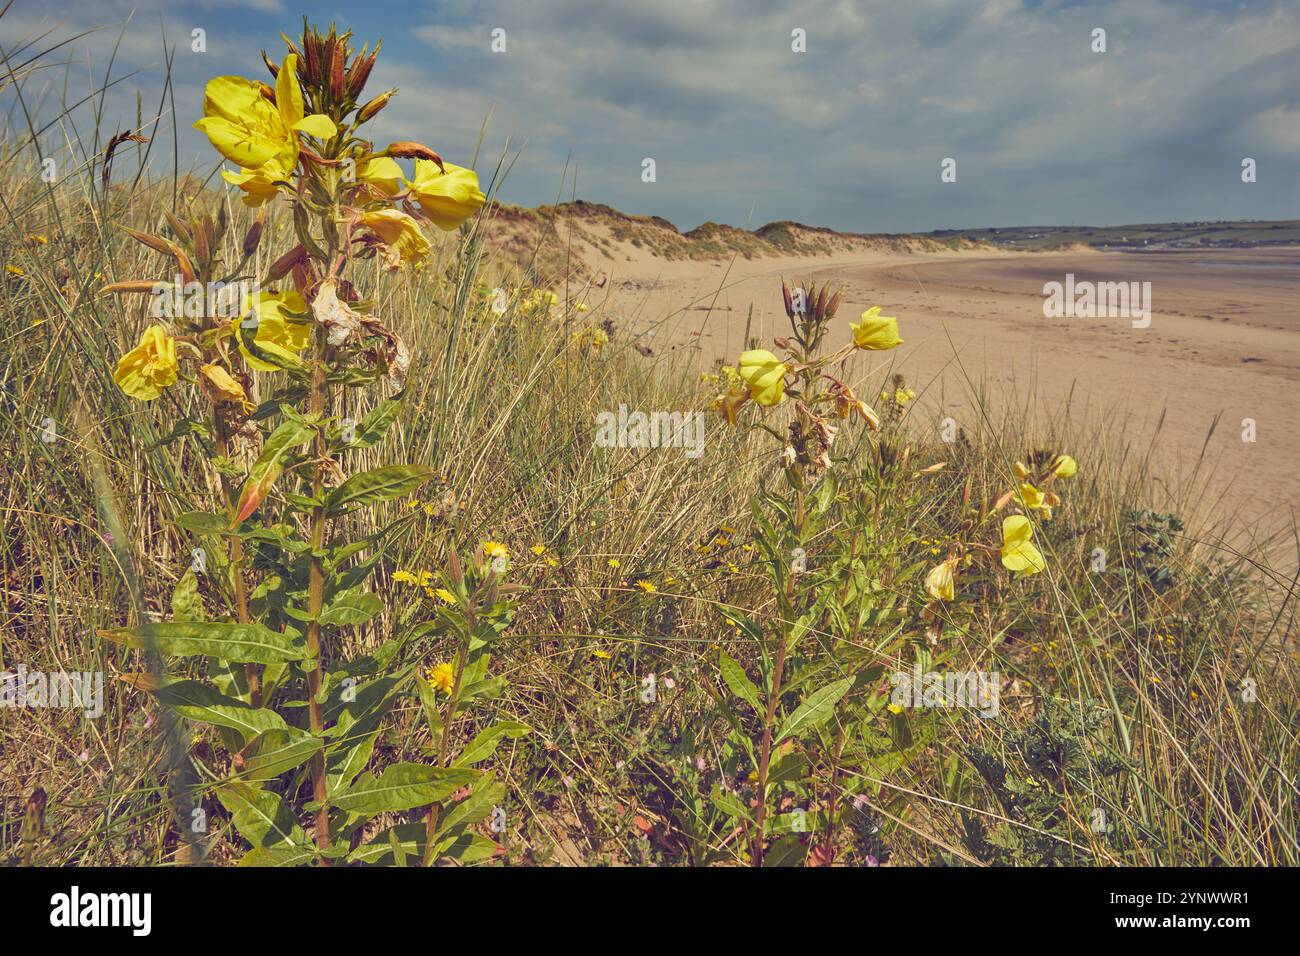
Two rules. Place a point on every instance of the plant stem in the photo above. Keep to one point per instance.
(773, 695)
(316, 595)
(236, 558)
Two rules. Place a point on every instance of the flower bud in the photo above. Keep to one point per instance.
(406, 150)
(253, 237)
(371, 109)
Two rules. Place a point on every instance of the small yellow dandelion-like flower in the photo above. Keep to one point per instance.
(646, 586)
(403, 577)
(441, 677)
(538, 549)
(895, 709)
(614, 563)
(494, 549)
(603, 655)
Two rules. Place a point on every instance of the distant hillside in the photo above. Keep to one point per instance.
(1244, 234)
(583, 237)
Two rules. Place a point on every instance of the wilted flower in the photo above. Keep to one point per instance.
(400, 234)
(940, 583)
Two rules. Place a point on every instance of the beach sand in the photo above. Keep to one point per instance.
(1223, 344)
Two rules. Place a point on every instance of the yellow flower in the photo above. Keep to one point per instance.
(443, 595)
(1021, 470)
(876, 332)
(603, 655)
(729, 403)
(940, 583)
(614, 562)
(383, 173)
(646, 586)
(895, 708)
(282, 327)
(441, 677)
(764, 373)
(400, 233)
(150, 367)
(538, 549)
(446, 198)
(494, 549)
(223, 386)
(247, 129)
(403, 577)
(1063, 466)
(1018, 552)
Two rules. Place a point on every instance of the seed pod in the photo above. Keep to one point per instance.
(337, 73)
(789, 299)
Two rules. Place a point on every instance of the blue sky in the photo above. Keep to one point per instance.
(743, 130)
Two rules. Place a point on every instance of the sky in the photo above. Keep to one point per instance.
(851, 133)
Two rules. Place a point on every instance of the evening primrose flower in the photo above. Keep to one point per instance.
(940, 583)
(223, 386)
(401, 235)
(383, 173)
(764, 373)
(1018, 552)
(441, 677)
(447, 197)
(1063, 466)
(247, 129)
(150, 367)
(282, 328)
(876, 332)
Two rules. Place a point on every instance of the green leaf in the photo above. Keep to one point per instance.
(378, 484)
(815, 710)
(787, 851)
(266, 470)
(261, 816)
(485, 744)
(194, 700)
(738, 681)
(204, 522)
(244, 643)
(376, 424)
(275, 752)
(187, 606)
(350, 608)
(401, 787)
(731, 805)
(278, 856)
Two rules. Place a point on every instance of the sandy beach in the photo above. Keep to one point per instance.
(1223, 343)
